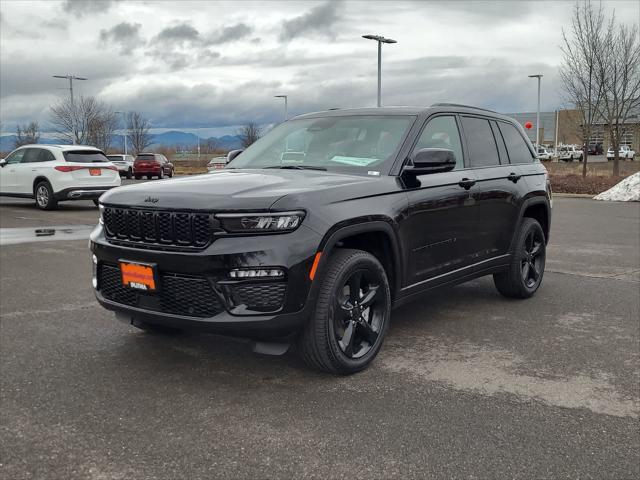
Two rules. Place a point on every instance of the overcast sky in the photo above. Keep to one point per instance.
(214, 65)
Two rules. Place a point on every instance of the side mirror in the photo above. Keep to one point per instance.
(3, 162)
(431, 160)
(233, 154)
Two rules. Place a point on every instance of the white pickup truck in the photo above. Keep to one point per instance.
(569, 153)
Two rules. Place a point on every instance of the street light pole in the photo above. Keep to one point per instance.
(380, 39)
(71, 78)
(126, 130)
(539, 77)
(286, 108)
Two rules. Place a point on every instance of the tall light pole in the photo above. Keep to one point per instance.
(126, 130)
(380, 39)
(286, 113)
(539, 77)
(71, 78)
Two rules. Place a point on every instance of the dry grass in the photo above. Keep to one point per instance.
(567, 177)
(593, 169)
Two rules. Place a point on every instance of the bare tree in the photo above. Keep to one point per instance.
(77, 122)
(27, 134)
(102, 128)
(582, 46)
(210, 145)
(249, 133)
(619, 70)
(138, 131)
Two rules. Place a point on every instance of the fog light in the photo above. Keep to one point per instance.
(257, 273)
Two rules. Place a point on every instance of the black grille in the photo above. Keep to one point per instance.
(183, 230)
(177, 294)
(259, 296)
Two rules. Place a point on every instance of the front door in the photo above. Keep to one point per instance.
(9, 172)
(439, 232)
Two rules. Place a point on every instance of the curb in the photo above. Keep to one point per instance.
(573, 195)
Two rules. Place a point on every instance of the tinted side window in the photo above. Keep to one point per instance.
(31, 155)
(504, 158)
(442, 132)
(46, 156)
(16, 157)
(516, 146)
(482, 146)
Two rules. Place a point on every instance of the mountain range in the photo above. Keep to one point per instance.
(173, 138)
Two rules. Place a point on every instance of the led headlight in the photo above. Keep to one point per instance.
(257, 273)
(261, 222)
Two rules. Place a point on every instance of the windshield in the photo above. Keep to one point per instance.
(85, 156)
(358, 144)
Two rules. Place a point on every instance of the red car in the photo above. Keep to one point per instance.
(152, 165)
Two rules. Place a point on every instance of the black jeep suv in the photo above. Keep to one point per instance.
(315, 231)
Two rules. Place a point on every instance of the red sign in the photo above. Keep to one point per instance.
(528, 125)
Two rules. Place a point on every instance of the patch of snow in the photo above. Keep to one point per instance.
(628, 190)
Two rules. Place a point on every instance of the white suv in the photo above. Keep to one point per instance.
(124, 163)
(569, 153)
(625, 152)
(52, 173)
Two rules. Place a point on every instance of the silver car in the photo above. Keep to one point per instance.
(124, 164)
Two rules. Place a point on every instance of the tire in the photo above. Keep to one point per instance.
(149, 177)
(138, 177)
(171, 173)
(43, 194)
(129, 174)
(161, 174)
(154, 328)
(526, 268)
(332, 341)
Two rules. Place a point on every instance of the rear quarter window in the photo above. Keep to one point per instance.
(516, 145)
(85, 156)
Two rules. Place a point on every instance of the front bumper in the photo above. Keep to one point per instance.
(206, 273)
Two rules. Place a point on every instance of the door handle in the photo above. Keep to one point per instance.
(514, 177)
(466, 183)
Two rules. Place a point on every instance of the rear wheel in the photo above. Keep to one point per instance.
(44, 196)
(526, 268)
(351, 314)
(138, 177)
(149, 177)
(129, 174)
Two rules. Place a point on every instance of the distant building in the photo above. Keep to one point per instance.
(569, 122)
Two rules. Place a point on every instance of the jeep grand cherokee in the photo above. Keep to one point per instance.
(318, 229)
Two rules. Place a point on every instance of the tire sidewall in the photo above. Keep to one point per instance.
(528, 226)
(361, 262)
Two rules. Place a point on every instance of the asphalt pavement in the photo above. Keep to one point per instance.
(467, 385)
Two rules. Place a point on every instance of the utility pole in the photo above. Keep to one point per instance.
(380, 39)
(71, 78)
(539, 77)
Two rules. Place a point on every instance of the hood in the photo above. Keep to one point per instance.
(231, 189)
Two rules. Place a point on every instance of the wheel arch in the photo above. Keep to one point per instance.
(375, 237)
(37, 180)
(539, 209)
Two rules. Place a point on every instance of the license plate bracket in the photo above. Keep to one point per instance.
(139, 276)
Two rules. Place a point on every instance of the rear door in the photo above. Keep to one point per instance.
(90, 168)
(496, 193)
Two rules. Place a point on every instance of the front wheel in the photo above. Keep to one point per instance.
(526, 267)
(347, 328)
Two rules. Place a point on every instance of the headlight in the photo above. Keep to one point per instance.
(101, 210)
(260, 222)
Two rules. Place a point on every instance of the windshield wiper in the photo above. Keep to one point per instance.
(298, 167)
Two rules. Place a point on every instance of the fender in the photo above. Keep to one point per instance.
(338, 232)
(528, 202)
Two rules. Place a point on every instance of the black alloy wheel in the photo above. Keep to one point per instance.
(532, 258)
(351, 316)
(359, 314)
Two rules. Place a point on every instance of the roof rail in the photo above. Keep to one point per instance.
(463, 106)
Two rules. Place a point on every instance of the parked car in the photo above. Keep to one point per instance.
(384, 205)
(544, 154)
(152, 165)
(569, 153)
(625, 153)
(124, 164)
(54, 173)
(595, 149)
(216, 163)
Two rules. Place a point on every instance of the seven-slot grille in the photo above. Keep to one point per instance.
(191, 230)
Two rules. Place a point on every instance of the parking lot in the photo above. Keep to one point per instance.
(468, 384)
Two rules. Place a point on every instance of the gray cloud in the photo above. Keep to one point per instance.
(126, 35)
(230, 34)
(87, 7)
(179, 34)
(320, 20)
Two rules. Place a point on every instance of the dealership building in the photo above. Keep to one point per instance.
(569, 122)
